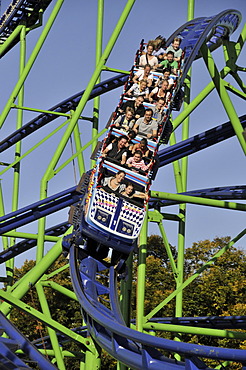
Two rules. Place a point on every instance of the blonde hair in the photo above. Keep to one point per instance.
(143, 80)
(130, 109)
(155, 43)
(178, 39)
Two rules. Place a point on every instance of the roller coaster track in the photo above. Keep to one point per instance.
(106, 325)
(16, 341)
(27, 11)
(168, 155)
(62, 107)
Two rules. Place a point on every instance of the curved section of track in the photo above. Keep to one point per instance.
(26, 11)
(106, 325)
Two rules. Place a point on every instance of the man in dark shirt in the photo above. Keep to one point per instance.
(137, 106)
(117, 150)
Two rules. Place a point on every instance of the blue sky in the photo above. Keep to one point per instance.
(64, 67)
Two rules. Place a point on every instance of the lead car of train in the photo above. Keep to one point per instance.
(106, 223)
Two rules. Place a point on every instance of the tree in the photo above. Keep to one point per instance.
(218, 291)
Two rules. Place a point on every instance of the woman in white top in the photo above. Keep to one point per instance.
(138, 89)
(144, 74)
(160, 92)
(114, 183)
(149, 58)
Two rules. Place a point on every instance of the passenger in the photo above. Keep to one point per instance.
(148, 57)
(136, 105)
(169, 63)
(160, 92)
(144, 74)
(146, 126)
(159, 51)
(114, 183)
(143, 147)
(125, 121)
(117, 150)
(138, 89)
(175, 48)
(165, 77)
(158, 111)
(131, 135)
(129, 192)
(136, 162)
(110, 139)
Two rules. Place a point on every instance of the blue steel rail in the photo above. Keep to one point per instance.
(20, 12)
(66, 198)
(196, 27)
(62, 107)
(135, 349)
(198, 142)
(9, 360)
(27, 244)
(106, 325)
(219, 193)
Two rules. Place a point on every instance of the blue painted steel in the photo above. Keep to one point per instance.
(62, 107)
(18, 341)
(195, 32)
(198, 142)
(127, 345)
(18, 11)
(27, 244)
(219, 193)
(214, 322)
(135, 349)
(70, 196)
(39, 209)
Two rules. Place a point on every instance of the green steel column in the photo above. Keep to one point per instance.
(184, 169)
(2, 213)
(78, 145)
(16, 180)
(141, 274)
(126, 289)
(80, 158)
(52, 334)
(92, 361)
(125, 300)
(75, 117)
(31, 61)
(10, 39)
(34, 275)
(209, 88)
(224, 96)
(96, 107)
(176, 167)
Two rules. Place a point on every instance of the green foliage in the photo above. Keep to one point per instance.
(220, 290)
(157, 249)
(64, 310)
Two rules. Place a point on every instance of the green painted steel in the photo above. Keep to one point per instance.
(99, 39)
(37, 277)
(141, 275)
(180, 198)
(30, 61)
